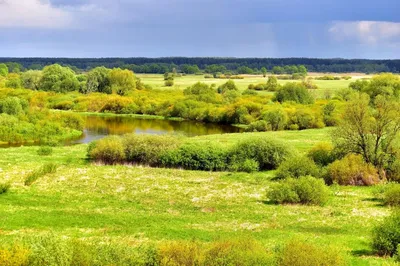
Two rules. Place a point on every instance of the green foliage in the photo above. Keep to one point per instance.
(301, 253)
(15, 255)
(386, 236)
(45, 151)
(148, 149)
(297, 166)
(14, 81)
(58, 79)
(248, 166)
(228, 86)
(304, 190)
(98, 80)
(109, 150)
(322, 154)
(4, 187)
(295, 92)
(201, 92)
(268, 153)
(31, 79)
(393, 171)
(48, 168)
(3, 70)
(258, 126)
(275, 118)
(122, 81)
(391, 196)
(198, 156)
(352, 170)
(13, 106)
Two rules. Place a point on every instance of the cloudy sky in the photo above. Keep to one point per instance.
(224, 28)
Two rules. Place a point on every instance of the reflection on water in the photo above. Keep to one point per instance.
(99, 126)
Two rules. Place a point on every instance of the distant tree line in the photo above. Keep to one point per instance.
(207, 64)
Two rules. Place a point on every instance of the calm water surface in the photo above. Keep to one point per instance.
(98, 127)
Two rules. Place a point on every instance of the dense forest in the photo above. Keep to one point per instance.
(209, 64)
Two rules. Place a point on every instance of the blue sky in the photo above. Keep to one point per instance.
(225, 28)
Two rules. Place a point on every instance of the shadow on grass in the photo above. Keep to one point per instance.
(379, 202)
(362, 252)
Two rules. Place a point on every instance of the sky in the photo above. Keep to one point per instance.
(200, 28)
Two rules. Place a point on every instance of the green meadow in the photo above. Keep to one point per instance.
(138, 204)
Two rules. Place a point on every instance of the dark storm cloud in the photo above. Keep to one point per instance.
(261, 28)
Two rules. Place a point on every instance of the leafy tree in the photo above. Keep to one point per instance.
(14, 81)
(214, 69)
(190, 69)
(277, 70)
(59, 79)
(302, 69)
(98, 80)
(295, 92)
(369, 129)
(228, 86)
(31, 79)
(264, 71)
(244, 70)
(122, 81)
(272, 84)
(3, 70)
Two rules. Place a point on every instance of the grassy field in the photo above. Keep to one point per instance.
(140, 204)
(157, 81)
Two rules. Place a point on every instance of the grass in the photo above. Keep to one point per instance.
(139, 204)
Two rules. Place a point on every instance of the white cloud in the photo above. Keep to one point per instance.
(366, 32)
(32, 14)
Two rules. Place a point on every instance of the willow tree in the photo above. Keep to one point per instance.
(369, 128)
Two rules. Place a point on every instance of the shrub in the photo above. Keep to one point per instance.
(4, 187)
(14, 256)
(393, 172)
(304, 190)
(47, 168)
(386, 236)
(322, 154)
(109, 150)
(297, 166)
(301, 253)
(248, 166)
(197, 156)
(391, 196)
(276, 119)
(147, 149)
(397, 256)
(169, 82)
(295, 92)
(268, 153)
(352, 170)
(258, 126)
(243, 252)
(249, 92)
(179, 253)
(49, 250)
(45, 151)
(228, 86)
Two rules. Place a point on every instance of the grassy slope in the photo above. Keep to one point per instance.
(145, 204)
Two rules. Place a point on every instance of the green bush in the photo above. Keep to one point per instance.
(180, 253)
(243, 252)
(393, 171)
(304, 190)
(147, 149)
(352, 170)
(258, 126)
(295, 92)
(48, 168)
(322, 154)
(397, 256)
(297, 166)
(301, 253)
(386, 236)
(45, 151)
(391, 196)
(197, 156)
(16, 255)
(4, 187)
(109, 150)
(268, 153)
(248, 166)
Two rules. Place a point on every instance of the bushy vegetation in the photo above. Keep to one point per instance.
(295, 92)
(304, 190)
(391, 196)
(352, 170)
(4, 187)
(386, 236)
(109, 150)
(297, 166)
(322, 154)
(302, 253)
(48, 168)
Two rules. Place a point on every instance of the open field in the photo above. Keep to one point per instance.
(157, 81)
(140, 204)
